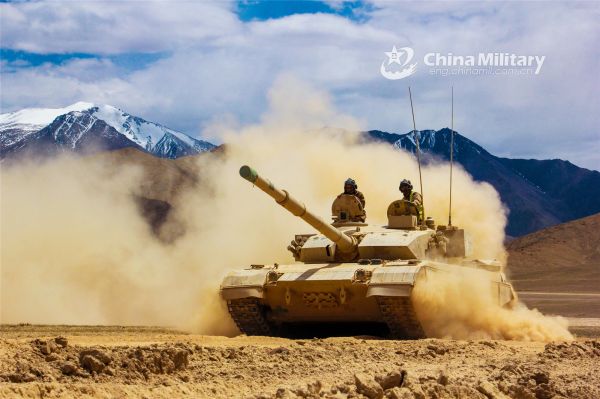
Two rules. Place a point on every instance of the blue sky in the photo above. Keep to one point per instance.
(263, 10)
(189, 65)
(128, 61)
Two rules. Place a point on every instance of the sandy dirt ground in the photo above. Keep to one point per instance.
(106, 362)
(564, 303)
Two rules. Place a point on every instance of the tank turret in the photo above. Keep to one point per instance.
(346, 240)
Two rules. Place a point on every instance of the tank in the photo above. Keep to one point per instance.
(348, 271)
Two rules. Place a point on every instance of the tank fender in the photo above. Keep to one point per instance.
(506, 293)
(393, 280)
(246, 283)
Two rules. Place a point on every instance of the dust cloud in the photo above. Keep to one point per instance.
(462, 306)
(75, 249)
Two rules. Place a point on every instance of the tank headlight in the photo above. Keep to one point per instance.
(362, 275)
(272, 277)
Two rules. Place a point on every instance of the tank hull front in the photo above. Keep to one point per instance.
(262, 300)
(321, 301)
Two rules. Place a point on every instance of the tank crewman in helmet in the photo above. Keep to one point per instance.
(350, 187)
(413, 197)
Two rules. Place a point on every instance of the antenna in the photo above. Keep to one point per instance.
(418, 150)
(451, 159)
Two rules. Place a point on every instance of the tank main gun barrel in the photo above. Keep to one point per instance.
(343, 242)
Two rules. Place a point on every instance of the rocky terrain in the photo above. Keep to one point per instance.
(60, 361)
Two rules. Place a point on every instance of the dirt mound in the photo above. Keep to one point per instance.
(161, 364)
(48, 360)
(573, 350)
(393, 385)
(526, 382)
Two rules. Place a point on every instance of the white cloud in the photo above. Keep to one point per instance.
(224, 67)
(109, 27)
(53, 87)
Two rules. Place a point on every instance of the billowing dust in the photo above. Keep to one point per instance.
(76, 250)
(462, 306)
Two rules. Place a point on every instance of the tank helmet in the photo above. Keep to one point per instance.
(350, 182)
(406, 183)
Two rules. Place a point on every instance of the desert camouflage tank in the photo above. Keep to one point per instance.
(348, 271)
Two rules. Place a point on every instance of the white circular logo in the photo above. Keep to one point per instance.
(394, 57)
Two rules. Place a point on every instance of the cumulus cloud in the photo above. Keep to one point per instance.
(108, 27)
(219, 66)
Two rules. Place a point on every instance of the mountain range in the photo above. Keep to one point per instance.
(85, 127)
(537, 193)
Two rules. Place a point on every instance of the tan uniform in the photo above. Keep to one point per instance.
(417, 199)
(358, 195)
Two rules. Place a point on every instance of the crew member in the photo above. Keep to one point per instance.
(414, 198)
(350, 188)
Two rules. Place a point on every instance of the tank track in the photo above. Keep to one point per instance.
(249, 315)
(400, 317)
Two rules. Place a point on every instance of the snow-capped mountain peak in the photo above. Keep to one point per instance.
(37, 118)
(145, 134)
(78, 121)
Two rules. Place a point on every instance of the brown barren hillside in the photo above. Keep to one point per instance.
(162, 181)
(561, 258)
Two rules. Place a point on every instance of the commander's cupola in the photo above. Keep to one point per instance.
(347, 210)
